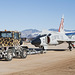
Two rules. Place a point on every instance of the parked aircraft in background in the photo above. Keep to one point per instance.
(53, 38)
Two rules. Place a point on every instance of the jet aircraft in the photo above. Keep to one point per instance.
(53, 38)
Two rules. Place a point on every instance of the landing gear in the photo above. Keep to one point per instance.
(70, 47)
(43, 50)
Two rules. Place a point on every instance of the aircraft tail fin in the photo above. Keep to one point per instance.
(61, 27)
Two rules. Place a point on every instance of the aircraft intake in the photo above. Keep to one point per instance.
(48, 39)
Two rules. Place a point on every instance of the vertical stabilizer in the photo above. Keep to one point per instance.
(61, 27)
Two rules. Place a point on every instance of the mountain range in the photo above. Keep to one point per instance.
(28, 32)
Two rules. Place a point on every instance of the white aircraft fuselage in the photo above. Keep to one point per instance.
(53, 38)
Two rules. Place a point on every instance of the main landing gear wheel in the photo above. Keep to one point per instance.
(42, 50)
(70, 47)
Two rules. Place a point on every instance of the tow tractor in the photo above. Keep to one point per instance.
(11, 45)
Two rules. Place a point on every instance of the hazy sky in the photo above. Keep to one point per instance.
(36, 14)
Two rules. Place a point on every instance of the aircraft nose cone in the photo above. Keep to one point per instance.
(36, 42)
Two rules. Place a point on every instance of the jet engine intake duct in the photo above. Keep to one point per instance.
(47, 39)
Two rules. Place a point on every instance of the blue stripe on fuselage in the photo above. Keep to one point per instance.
(70, 33)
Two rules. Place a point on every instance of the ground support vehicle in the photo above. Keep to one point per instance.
(10, 45)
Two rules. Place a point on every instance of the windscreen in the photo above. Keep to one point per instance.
(5, 34)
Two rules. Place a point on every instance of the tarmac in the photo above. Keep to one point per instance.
(58, 60)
